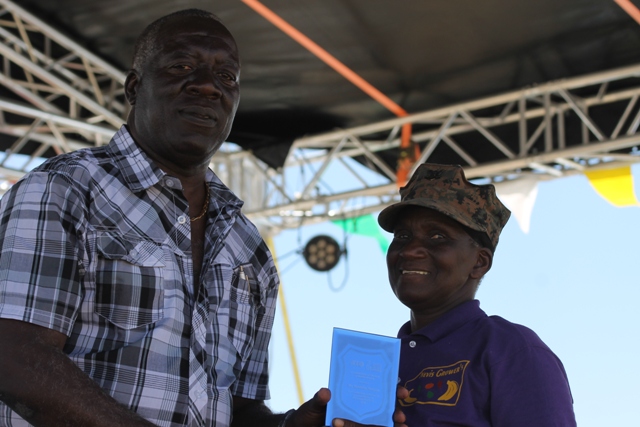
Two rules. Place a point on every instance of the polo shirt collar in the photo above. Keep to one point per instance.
(448, 322)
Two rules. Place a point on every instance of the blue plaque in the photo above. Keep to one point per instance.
(363, 377)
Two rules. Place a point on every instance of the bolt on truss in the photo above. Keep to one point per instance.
(55, 97)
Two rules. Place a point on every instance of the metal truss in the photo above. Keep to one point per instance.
(59, 96)
(555, 129)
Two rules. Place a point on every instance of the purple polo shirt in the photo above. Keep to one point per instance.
(470, 369)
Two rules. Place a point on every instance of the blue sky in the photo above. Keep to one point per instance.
(574, 279)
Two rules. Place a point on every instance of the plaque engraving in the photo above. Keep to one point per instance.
(363, 377)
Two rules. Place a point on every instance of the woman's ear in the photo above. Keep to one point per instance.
(131, 86)
(483, 264)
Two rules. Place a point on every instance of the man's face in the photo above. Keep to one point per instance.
(432, 262)
(186, 94)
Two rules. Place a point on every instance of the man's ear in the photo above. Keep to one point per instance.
(483, 264)
(131, 86)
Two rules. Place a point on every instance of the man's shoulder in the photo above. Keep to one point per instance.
(88, 154)
(75, 164)
(90, 158)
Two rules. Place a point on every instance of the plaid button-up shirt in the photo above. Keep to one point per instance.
(96, 245)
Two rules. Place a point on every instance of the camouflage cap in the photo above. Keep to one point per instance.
(445, 189)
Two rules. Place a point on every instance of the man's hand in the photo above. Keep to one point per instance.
(313, 412)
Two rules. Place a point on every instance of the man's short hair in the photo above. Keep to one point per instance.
(146, 44)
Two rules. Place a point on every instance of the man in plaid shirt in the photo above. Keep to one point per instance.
(133, 291)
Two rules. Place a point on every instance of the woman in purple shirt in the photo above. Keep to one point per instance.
(462, 367)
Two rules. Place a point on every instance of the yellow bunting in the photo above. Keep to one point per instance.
(614, 185)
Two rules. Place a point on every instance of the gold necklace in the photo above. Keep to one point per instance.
(205, 206)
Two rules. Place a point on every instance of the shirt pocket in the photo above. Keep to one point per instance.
(129, 280)
(246, 301)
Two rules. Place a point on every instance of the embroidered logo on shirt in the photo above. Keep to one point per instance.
(439, 385)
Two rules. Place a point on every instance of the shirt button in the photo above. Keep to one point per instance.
(182, 219)
(412, 344)
(169, 182)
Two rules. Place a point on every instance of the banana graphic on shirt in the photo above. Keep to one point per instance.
(452, 389)
(410, 399)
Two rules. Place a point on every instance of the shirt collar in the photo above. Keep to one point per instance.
(448, 322)
(140, 172)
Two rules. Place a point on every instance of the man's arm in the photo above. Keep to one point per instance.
(42, 385)
(249, 413)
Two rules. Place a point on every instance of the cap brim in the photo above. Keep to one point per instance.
(389, 215)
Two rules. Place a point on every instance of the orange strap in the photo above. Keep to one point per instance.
(630, 8)
(404, 161)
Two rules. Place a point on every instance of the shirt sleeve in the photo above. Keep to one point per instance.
(531, 388)
(39, 274)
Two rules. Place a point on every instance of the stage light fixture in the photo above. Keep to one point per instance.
(322, 253)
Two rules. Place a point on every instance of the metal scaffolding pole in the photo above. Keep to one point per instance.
(64, 98)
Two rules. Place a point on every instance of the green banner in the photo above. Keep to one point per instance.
(365, 225)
